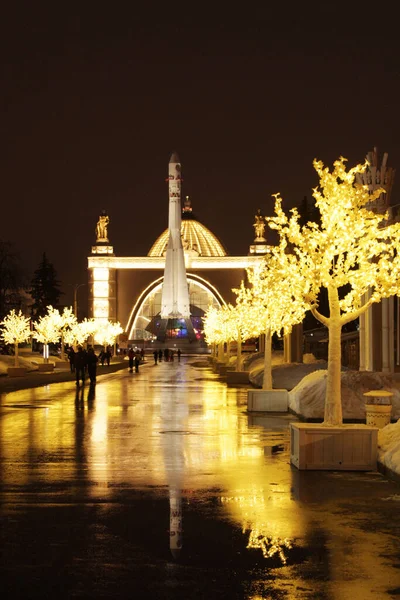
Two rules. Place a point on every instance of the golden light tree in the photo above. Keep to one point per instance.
(68, 321)
(215, 328)
(236, 319)
(107, 333)
(79, 332)
(273, 300)
(353, 247)
(16, 330)
(233, 324)
(48, 330)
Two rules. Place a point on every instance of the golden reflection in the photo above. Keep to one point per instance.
(268, 545)
(138, 432)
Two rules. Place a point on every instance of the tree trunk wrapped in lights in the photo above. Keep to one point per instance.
(352, 247)
(16, 330)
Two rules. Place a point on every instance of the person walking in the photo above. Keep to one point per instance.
(80, 365)
(71, 358)
(108, 355)
(137, 361)
(155, 354)
(160, 355)
(142, 354)
(131, 357)
(92, 365)
(166, 354)
(179, 354)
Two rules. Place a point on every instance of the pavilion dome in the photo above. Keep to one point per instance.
(196, 237)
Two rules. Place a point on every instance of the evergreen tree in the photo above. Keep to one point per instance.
(10, 279)
(45, 290)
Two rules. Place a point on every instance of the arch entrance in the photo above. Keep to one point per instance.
(145, 319)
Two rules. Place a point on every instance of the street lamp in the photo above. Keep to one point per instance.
(76, 287)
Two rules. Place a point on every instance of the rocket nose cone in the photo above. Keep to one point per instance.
(174, 158)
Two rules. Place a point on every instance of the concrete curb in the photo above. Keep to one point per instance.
(36, 379)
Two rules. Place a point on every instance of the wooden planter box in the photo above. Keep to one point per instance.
(267, 400)
(345, 448)
(45, 367)
(237, 377)
(16, 371)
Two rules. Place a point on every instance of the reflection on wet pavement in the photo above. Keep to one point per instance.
(160, 485)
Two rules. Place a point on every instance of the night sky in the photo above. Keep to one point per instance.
(95, 99)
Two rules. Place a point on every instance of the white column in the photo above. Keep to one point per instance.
(287, 350)
(391, 334)
(385, 335)
(362, 343)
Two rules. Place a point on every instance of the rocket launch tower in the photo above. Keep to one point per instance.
(175, 290)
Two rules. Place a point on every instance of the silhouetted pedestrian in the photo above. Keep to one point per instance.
(131, 358)
(179, 354)
(155, 354)
(160, 355)
(71, 358)
(137, 361)
(108, 355)
(166, 354)
(80, 365)
(92, 365)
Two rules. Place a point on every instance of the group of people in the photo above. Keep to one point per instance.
(135, 358)
(168, 355)
(82, 363)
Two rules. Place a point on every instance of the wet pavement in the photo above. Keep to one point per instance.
(160, 485)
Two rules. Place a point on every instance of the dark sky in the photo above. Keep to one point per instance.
(94, 100)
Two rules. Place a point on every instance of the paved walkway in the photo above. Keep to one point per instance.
(160, 485)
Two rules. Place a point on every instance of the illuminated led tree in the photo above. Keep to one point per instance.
(79, 333)
(107, 333)
(273, 301)
(16, 330)
(234, 324)
(68, 320)
(48, 330)
(215, 329)
(352, 247)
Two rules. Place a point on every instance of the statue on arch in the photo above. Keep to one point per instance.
(101, 227)
(259, 227)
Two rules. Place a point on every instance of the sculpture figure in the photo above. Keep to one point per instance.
(101, 227)
(259, 227)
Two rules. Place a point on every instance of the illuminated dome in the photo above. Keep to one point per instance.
(196, 238)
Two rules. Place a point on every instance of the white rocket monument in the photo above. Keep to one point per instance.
(175, 290)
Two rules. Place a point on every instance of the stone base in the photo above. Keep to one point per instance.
(237, 377)
(224, 369)
(345, 448)
(45, 367)
(16, 371)
(267, 400)
(378, 415)
(62, 364)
